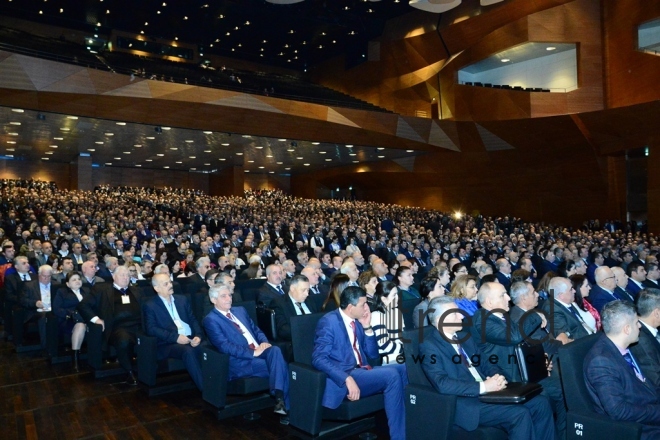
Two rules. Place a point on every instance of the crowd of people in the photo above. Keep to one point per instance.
(373, 269)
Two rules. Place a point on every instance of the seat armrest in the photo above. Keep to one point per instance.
(588, 425)
(266, 322)
(425, 403)
(306, 388)
(52, 334)
(215, 374)
(147, 358)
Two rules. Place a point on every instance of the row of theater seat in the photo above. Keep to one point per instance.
(507, 87)
(428, 413)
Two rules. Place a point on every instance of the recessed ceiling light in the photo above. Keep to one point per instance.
(280, 163)
(179, 161)
(381, 157)
(53, 146)
(239, 154)
(11, 149)
(282, 140)
(207, 164)
(250, 161)
(259, 148)
(12, 134)
(166, 167)
(287, 168)
(208, 151)
(49, 152)
(261, 168)
(160, 154)
(299, 158)
(18, 110)
(72, 117)
(322, 152)
(352, 154)
(65, 129)
(15, 123)
(9, 155)
(151, 137)
(149, 160)
(380, 148)
(550, 48)
(173, 148)
(91, 149)
(207, 132)
(349, 146)
(505, 60)
(138, 165)
(137, 146)
(222, 158)
(225, 145)
(59, 138)
(108, 163)
(121, 123)
(247, 136)
(271, 172)
(189, 141)
(247, 171)
(356, 161)
(99, 142)
(410, 151)
(109, 134)
(11, 142)
(192, 157)
(269, 155)
(193, 169)
(45, 158)
(117, 158)
(127, 152)
(306, 164)
(315, 143)
(328, 160)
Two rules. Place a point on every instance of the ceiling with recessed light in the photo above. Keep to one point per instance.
(32, 136)
(292, 35)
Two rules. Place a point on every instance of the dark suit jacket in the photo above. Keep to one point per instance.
(66, 302)
(623, 294)
(551, 345)
(614, 387)
(267, 293)
(159, 323)
(650, 283)
(633, 288)
(31, 293)
(224, 335)
(101, 303)
(598, 297)
(14, 286)
(454, 378)
(506, 282)
(284, 310)
(333, 354)
(647, 354)
(563, 321)
(495, 336)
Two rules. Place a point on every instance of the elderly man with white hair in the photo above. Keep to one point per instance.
(116, 308)
(36, 297)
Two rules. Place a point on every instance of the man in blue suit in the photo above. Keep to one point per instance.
(603, 292)
(232, 331)
(454, 366)
(343, 344)
(169, 318)
(615, 381)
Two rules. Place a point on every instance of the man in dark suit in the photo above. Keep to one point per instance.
(621, 289)
(503, 273)
(169, 318)
(273, 287)
(647, 350)
(315, 287)
(614, 380)
(37, 297)
(90, 279)
(603, 291)
(296, 302)
(116, 307)
(451, 367)
(564, 317)
(636, 276)
(343, 343)
(232, 331)
(652, 275)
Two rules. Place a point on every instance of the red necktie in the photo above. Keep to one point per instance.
(355, 347)
(238, 327)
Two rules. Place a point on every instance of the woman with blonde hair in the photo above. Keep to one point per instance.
(464, 289)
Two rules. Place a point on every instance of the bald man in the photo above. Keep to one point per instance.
(603, 292)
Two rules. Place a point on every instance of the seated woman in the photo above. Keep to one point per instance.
(404, 279)
(339, 283)
(387, 322)
(65, 308)
(464, 289)
(253, 271)
(63, 247)
(368, 281)
(589, 314)
(431, 287)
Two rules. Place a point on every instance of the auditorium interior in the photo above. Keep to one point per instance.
(545, 111)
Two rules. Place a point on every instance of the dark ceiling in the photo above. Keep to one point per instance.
(296, 36)
(33, 136)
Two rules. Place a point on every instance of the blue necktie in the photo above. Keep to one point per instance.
(279, 289)
(628, 357)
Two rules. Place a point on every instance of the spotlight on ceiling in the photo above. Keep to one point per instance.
(158, 129)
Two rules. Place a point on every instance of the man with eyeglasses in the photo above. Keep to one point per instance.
(603, 292)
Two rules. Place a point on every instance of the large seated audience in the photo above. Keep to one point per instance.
(373, 269)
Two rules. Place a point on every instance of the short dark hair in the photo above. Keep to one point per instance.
(647, 301)
(427, 285)
(298, 279)
(72, 274)
(351, 295)
(633, 267)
